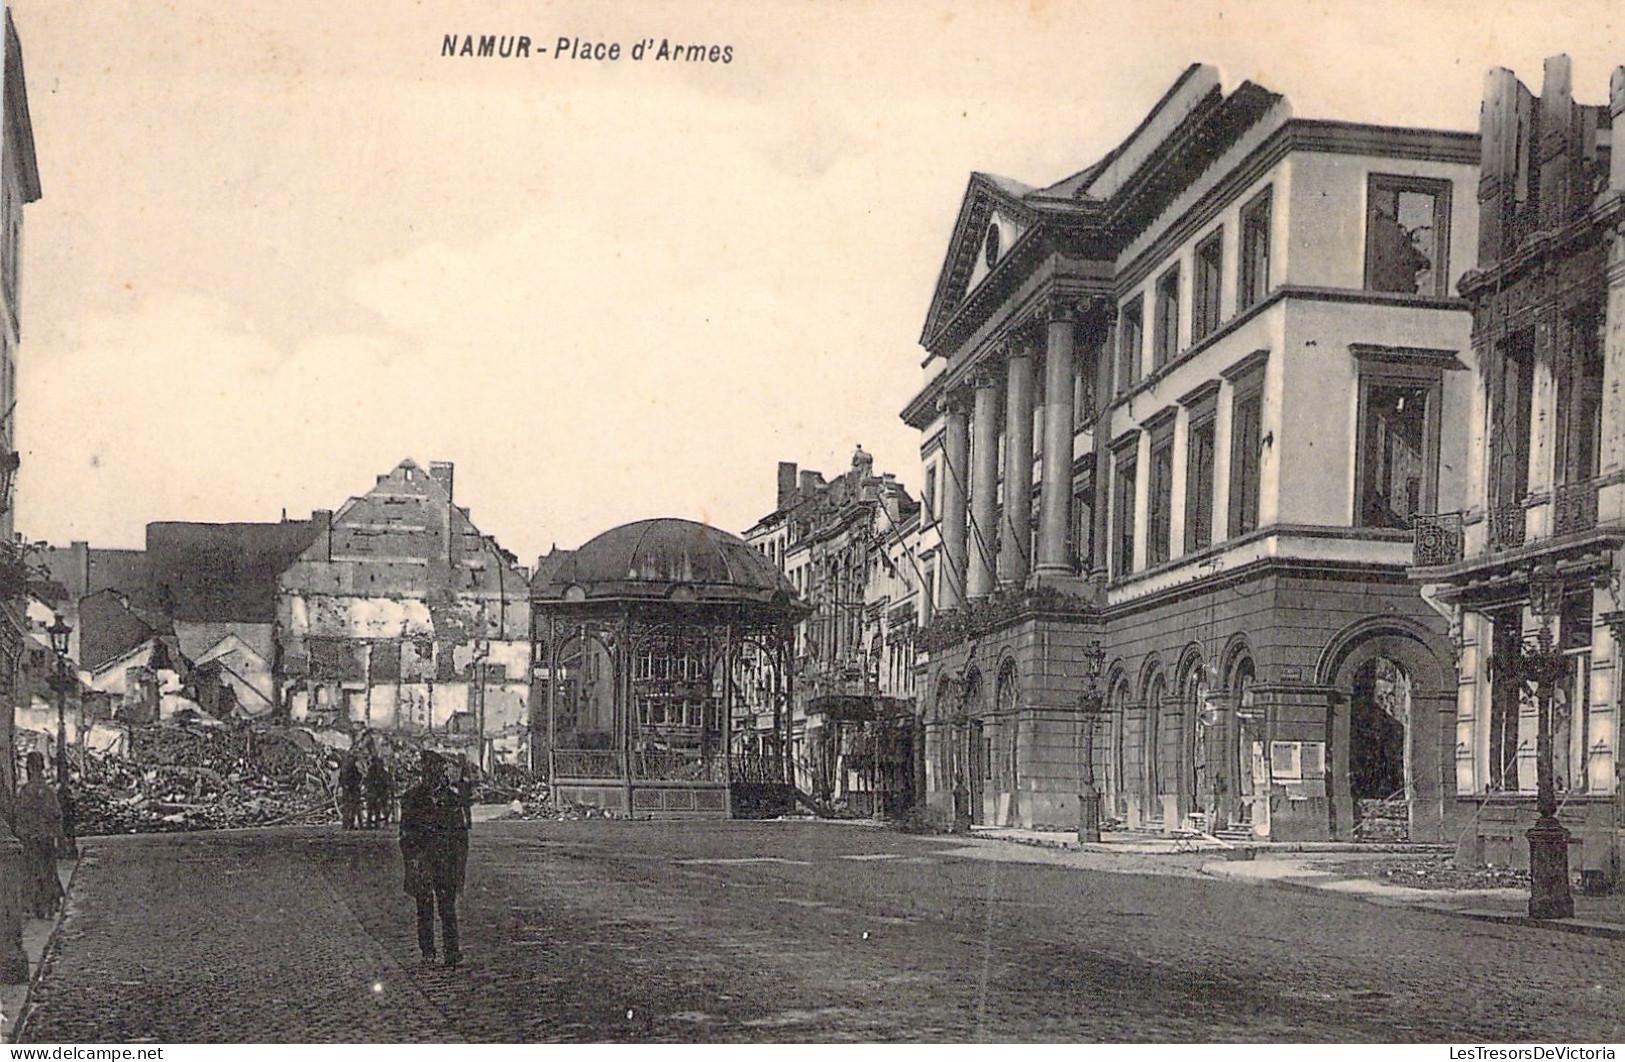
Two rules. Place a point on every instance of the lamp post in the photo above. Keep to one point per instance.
(1544, 666)
(61, 682)
(1091, 703)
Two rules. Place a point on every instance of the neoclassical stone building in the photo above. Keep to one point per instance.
(1180, 412)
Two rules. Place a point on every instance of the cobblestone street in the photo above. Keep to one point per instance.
(615, 931)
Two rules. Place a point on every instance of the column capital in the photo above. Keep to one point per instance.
(988, 372)
(954, 400)
(1060, 309)
(1019, 343)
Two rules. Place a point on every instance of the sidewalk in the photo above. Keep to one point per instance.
(1595, 916)
(1324, 866)
(37, 933)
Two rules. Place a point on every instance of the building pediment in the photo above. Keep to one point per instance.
(992, 220)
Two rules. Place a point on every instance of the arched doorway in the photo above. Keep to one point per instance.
(1250, 770)
(1006, 700)
(1199, 773)
(1391, 747)
(1156, 691)
(1379, 711)
(975, 755)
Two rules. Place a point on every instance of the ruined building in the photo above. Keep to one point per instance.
(1534, 547)
(402, 615)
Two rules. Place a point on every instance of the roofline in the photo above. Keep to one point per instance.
(25, 124)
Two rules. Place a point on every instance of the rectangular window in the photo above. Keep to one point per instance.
(1130, 340)
(1081, 534)
(929, 495)
(1398, 455)
(1206, 286)
(1246, 440)
(1159, 529)
(1571, 714)
(1504, 701)
(1199, 485)
(1124, 463)
(1165, 338)
(1254, 281)
(1511, 396)
(1407, 235)
(1579, 400)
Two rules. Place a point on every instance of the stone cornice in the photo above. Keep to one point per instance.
(1428, 357)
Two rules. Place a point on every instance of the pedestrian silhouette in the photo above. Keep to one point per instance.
(434, 851)
(39, 829)
(350, 791)
(380, 790)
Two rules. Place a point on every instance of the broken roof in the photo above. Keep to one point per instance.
(222, 573)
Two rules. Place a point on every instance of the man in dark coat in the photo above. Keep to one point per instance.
(434, 849)
(380, 790)
(350, 791)
(39, 828)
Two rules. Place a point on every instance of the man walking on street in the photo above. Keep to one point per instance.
(434, 850)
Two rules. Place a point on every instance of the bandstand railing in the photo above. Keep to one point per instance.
(586, 763)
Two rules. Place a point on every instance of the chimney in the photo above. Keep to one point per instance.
(442, 471)
(809, 483)
(323, 520)
(79, 553)
(787, 484)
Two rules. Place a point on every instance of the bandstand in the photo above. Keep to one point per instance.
(657, 646)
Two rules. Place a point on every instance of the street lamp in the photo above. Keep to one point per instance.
(1091, 705)
(61, 682)
(1544, 666)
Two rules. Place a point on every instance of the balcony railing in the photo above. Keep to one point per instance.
(1505, 527)
(1437, 539)
(1574, 508)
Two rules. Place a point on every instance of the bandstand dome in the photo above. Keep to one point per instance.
(666, 559)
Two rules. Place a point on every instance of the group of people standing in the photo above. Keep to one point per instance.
(365, 796)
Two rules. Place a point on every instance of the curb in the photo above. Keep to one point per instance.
(1578, 926)
(37, 966)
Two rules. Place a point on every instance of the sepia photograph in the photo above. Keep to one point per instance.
(639, 522)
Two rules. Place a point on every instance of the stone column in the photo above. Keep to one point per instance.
(984, 484)
(1015, 530)
(956, 446)
(1055, 496)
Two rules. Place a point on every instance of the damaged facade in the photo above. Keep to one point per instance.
(1180, 412)
(1534, 548)
(848, 547)
(402, 615)
(395, 613)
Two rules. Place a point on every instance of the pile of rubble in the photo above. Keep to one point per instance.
(1436, 872)
(205, 778)
(528, 797)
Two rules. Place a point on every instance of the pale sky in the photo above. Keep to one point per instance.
(284, 244)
